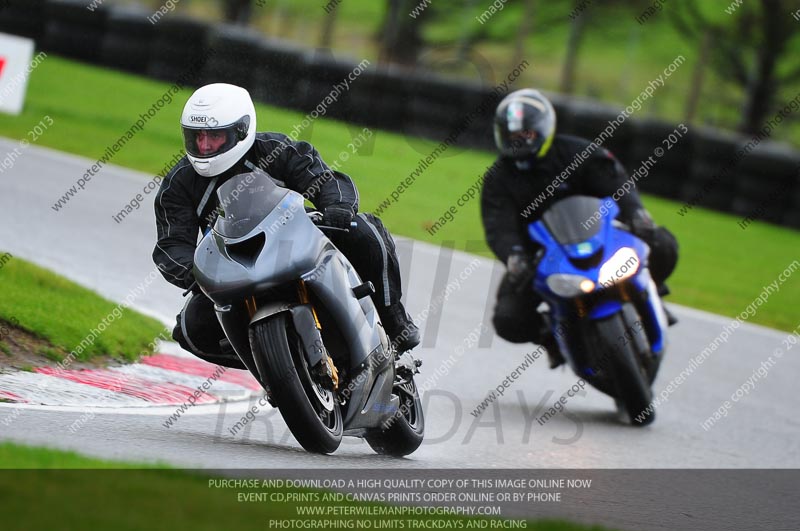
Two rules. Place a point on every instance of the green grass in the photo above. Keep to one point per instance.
(50, 353)
(722, 267)
(17, 457)
(142, 497)
(63, 313)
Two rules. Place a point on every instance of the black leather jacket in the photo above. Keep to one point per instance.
(182, 214)
(511, 199)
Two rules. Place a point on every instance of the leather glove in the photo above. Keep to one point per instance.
(642, 225)
(338, 215)
(519, 266)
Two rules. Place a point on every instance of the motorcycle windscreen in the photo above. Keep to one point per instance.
(244, 201)
(574, 219)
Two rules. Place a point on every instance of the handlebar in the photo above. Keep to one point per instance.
(353, 225)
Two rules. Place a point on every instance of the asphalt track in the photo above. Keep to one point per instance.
(84, 243)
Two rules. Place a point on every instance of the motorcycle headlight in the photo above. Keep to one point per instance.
(624, 264)
(569, 286)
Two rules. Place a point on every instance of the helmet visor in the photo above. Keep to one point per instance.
(518, 144)
(204, 143)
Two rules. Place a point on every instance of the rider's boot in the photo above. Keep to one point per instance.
(554, 355)
(402, 331)
(545, 338)
(663, 291)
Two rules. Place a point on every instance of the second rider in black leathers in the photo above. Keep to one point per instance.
(515, 194)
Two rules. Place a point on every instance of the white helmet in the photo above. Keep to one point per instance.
(219, 127)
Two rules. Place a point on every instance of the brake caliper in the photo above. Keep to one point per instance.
(331, 374)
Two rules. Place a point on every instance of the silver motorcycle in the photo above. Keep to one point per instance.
(300, 318)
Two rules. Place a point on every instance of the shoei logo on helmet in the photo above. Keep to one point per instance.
(198, 118)
(515, 114)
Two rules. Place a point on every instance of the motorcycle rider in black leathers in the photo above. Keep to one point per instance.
(219, 129)
(515, 194)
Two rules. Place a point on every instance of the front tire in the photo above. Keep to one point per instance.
(405, 430)
(629, 376)
(312, 412)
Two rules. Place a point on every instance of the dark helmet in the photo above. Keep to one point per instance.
(524, 125)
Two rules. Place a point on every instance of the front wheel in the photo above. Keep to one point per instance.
(311, 411)
(630, 379)
(402, 434)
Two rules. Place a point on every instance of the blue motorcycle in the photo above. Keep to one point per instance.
(600, 301)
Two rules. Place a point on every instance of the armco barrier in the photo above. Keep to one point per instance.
(128, 42)
(399, 99)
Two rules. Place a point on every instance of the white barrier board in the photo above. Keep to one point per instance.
(16, 54)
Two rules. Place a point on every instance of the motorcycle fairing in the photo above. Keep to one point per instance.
(559, 231)
(302, 253)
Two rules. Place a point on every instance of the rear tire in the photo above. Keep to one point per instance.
(406, 429)
(312, 413)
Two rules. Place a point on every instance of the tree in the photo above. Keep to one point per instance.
(751, 48)
(401, 33)
(576, 32)
(328, 24)
(524, 31)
